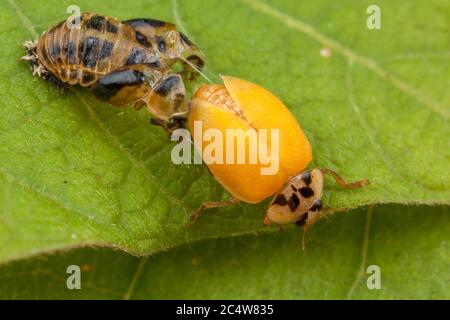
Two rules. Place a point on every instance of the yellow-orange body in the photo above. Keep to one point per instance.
(239, 104)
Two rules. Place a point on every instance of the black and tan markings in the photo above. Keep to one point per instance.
(82, 55)
(121, 87)
(170, 93)
(168, 42)
(129, 85)
(298, 199)
(122, 62)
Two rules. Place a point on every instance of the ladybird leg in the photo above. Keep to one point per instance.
(177, 122)
(210, 205)
(164, 124)
(342, 182)
(303, 239)
(266, 221)
(170, 125)
(159, 123)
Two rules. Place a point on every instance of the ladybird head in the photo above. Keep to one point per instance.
(298, 201)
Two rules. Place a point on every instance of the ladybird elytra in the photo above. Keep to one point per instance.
(239, 104)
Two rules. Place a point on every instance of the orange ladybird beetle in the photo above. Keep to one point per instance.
(122, 62)
(239, 104)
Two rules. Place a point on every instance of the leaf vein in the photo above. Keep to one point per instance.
(372, 65)
(135, 279)
(365, 247)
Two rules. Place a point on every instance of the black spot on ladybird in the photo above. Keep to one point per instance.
(293, 202)
(316, 206)
(302, 220)
(306, 177)
(280, 200)
(306, 192)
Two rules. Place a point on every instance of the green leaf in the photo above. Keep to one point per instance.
(410, 246)
(75, 172)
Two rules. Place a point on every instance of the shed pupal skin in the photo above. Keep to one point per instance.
(122, 62)
(296, 192)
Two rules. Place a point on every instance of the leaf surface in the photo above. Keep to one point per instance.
(413, 259)
(75, 172)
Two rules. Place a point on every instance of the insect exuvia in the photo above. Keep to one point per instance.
(122, 62)
(297, 193)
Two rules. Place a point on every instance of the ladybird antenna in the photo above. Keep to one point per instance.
(193, 66)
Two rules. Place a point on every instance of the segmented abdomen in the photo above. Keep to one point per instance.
(82, 55)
